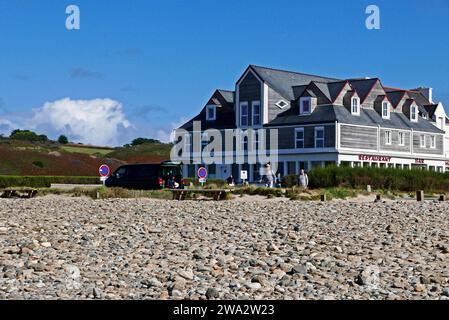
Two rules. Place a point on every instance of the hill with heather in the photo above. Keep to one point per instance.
(51, 158)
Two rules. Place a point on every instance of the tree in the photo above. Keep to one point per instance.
(139, 141)
(63, 139)
(27, 135)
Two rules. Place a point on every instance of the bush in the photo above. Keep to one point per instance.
(27, 135)
(378, 178)
(63, 139)
(38, 163)
(43, 181)
(216, 183)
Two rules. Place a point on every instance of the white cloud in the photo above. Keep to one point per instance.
(6, 126)
(98, 121)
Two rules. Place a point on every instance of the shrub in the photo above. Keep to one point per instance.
(27, 135)
(38, 163)
(63, 139)
(378, 178)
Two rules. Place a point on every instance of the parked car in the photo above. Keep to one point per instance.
(146, 176)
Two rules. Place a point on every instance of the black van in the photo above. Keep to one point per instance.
(146, 176)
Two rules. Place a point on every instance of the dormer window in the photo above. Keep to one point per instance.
(414, 113)
(244, 114)
(256, 113)
(386, 110)
(355, 106)
(305, 105)
(211, 113)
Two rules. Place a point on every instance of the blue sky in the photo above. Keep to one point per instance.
(154, 64)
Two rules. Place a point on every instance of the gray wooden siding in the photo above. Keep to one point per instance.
(250, 90)
(273, 110)
(427, 150)
(358, 137)
(372, 96)
(287, 137)
(395, 141)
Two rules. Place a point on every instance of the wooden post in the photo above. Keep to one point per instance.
(420, 195)
(378, 198)
(442, 198)
(323, 198)
(368, 188)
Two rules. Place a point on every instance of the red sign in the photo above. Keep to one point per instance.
(363, 157)
(419, 161)
(104, 170)
(202, 173)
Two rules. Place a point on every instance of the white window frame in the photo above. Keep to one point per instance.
(357, 105)
(214, 110)
(414, 115)
(388, 137)
(386, 116)
(301, 105)
(278, 104)
(256, 140)
(244, 104)
(297, 140)
(253, 104)
(433, 142)
(244, 142)
(422, 141)
(319, 139)
(401, 138)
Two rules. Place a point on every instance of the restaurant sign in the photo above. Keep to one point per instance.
(363, 157)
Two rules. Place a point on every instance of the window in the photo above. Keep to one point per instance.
(414, 113)
(319, 137)
(211, 113)
(291, 167)
(256, 141)
(422, 141)
(305, 105)
(281, 104)
(388, 137)
(244, 142)
(244, 114)
(355, 105)
(256, 113)
(212, 169)
(299, 138)
(433, 142)
(386, 110)
(401, 138)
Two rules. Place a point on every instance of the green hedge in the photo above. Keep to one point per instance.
(378, 178)
(43, 181)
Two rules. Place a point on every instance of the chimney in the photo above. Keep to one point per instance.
(426, 92)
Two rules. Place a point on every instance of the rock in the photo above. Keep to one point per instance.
(186, 274)
(446, 292)
(98, 294)
(253, 285)
(272, 247)
(3, 230)
(212, 293)
(153, 282)
(46, 244)
(299, 269)
(369, 277)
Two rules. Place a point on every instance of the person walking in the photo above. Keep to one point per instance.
(303, 179)
(271, 177)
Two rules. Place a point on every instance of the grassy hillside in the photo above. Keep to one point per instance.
(53, 159)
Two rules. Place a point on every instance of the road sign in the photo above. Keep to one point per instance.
(202, 173)
(244, 175)
(104, 170)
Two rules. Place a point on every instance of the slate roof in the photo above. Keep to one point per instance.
(368, 117)
(363, 86)
(395, 96)
(283, 81)
(227, 95)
